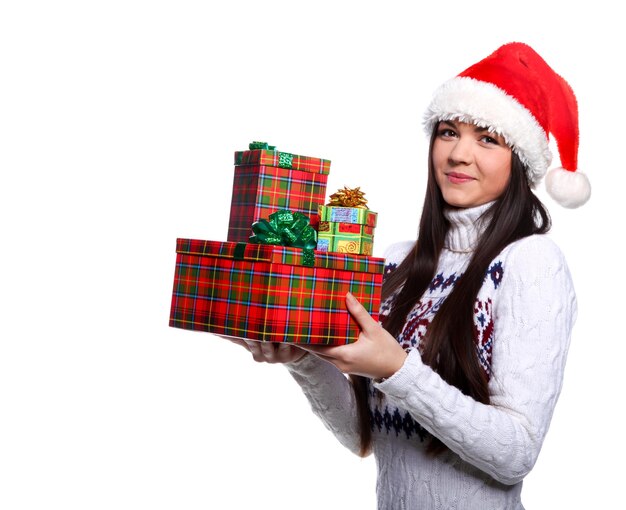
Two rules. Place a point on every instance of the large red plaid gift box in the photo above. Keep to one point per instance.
(264, 292)
(267, 180)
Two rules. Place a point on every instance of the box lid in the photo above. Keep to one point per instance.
(347, 215)
(279, 255)
(283, 160)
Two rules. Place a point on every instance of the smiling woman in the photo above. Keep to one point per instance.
(472, 166)
(454, 390)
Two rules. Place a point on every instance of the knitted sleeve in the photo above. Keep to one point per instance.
(534, 312)
(328, 390)
(331, 397)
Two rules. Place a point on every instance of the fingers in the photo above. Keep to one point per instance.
(256, 350)
(287, 352)
(360, 314)
(269, 352)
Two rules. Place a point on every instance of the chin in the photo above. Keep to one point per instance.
(457, 201)
(463, 200)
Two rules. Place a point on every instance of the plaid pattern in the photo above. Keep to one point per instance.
(283, 159)
(260, 190)
(267, 295)
(348, 215)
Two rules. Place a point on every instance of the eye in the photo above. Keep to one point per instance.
(490, 140)
(446, 132)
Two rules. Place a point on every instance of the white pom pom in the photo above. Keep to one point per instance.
(570, 189)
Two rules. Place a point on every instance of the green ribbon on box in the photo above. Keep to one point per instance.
(286, 228)
(253, 146)
(240, 251)
(285, 159)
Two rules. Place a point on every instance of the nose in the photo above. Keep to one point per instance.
(461, 153)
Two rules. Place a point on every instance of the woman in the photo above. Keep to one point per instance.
(454, 394)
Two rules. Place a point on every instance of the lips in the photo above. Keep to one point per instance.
(458, 178)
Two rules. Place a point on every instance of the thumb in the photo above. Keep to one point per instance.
(360, 314)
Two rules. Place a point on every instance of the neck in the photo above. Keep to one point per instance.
(466, 227)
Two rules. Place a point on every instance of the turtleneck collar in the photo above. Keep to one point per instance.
(466, 226)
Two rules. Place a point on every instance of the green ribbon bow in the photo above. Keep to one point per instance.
(261, 145)
(286, 228)
(285, 159)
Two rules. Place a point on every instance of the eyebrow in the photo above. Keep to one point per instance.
(477, 129)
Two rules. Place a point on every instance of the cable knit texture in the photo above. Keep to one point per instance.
(523, 318)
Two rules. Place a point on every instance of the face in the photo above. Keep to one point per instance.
(472, 166)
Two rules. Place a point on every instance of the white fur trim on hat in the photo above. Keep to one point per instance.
(570, 189)
(482, 103)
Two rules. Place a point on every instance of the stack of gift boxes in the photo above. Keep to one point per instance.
(289, 259)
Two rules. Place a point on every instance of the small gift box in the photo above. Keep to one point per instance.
(267, 180)
(265, 292)
(346, 224)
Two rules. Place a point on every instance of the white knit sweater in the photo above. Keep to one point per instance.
(524, 314)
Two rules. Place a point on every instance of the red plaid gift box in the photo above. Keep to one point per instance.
(262, 292)
(266, 181)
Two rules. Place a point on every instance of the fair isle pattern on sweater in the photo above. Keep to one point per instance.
(412, 337)
(491, 448)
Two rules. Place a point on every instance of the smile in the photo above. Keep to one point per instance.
(457, 178)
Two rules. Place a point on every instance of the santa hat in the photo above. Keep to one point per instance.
(517, 95)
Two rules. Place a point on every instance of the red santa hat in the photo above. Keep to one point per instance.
(515, 93)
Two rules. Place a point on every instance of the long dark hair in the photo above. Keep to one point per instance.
(450, 348)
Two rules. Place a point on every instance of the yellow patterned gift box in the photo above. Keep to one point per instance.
(346, 224)
(345, 238)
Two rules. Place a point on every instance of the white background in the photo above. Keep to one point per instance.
(118, 123)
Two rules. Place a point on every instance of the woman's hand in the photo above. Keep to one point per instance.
(376, 354)
(269, 352)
